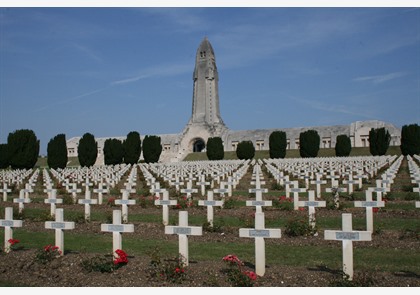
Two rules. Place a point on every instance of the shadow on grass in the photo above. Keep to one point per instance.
(406, 274)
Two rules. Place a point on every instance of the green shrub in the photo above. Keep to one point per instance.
(309, 144)
(245, 150)
(277, 144)
(298, 226)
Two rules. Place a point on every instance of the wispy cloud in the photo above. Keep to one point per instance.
(155, 71)
(380, 78)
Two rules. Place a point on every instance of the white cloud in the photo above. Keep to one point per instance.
(380, 78)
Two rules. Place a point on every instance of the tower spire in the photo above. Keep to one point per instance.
(205, 106)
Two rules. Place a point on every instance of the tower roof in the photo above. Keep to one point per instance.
(205, 46)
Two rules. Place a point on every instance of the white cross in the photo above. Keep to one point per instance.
(165, 202)
(87, 201)
(210, 202)
(296, 190)
(258, 203)
(347, 236)
(52, 200)
(28, 189)
(74, 190)
(59, 225)
(311, 204)
(21, 200)
(100, 191)
(5, 190)
(189, 190)
(350, 182)
(48, 190)
(318, 183)
(222, 190)
(183, 231)
(369, 204)
(8, 223)
(259, 233)
(117, 229)
(157, 190)
(417, 204)
(177, 183)
(124, 202)
(203, 184)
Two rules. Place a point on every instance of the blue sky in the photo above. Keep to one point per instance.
(109, 71)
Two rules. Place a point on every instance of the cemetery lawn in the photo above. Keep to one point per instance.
(390, 259)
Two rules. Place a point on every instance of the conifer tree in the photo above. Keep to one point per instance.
(342, 146)
(57, 152)
(277, 144)
(87, 150)
(152, 148)
(309, 144)
(245, 150)
(410, 140)
(132, 148)
(23, 149)
(113, 151)
(215, 150)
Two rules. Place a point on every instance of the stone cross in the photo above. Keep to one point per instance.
(203, 184)
(378, 191)
(350, 182)
(258, 203)
(417, 204)
(312, 204)
(177, 183)
(59, 225)
(165, 202)
(8, 223)
(318, 183)
(74, 190)
(259, 233)
(49, 190)
(124, 202)
(210, 202)
(157, 190)
(287, 184)
(117, 229)
(347, 236)
(296, 190)
(369, 204)
(183, 231)
(189, 190)
(230, 184)
(100, 191)
(28, 189)
(87, 201)
(52, 200)
(5, 190)
(336, 191)
(21, 200)
(222, 190)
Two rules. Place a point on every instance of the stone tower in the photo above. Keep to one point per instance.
(205, 105)
(205, 119)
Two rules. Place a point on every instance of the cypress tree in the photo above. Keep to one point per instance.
(215, 149)
(379, 140)
(23, 149)
(113, 151)
(87, 150)
(152, 148)
(277, 144)
(132, 148)
(4, 156)
(342, 146)
(309, 144)
(245, 150)
(410, 140)
(57, 152)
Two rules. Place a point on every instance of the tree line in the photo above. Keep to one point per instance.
(22, 148)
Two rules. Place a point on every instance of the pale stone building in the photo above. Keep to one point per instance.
(206, 122)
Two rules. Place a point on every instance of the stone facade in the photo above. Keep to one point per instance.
(206, 122)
